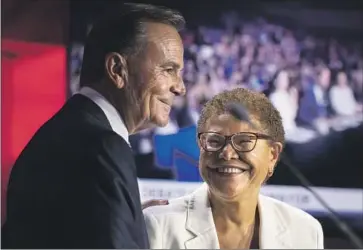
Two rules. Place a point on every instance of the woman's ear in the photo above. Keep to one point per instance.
(276, 149)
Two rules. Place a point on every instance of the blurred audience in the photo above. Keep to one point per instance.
(296, 71)
(294, 68)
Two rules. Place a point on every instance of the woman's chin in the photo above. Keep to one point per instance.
(230, 193)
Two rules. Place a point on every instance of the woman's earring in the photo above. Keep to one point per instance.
(270, 173)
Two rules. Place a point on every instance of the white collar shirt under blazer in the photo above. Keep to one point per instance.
(187, 223)
(113, 117)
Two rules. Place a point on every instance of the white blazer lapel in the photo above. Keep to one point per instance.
(274, 231)
(200, 221)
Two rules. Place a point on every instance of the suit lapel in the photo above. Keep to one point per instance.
(200, 221)
(274, 231)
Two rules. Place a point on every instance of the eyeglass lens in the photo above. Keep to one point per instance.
(241, 142)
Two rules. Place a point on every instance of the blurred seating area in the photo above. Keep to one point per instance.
(311, 81)
(315, 83)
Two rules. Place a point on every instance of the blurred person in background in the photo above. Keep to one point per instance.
(190, 71)
(228, 211)
(183, 115)
(285, 98)
(342, 97)
(357, 82)
(348, 112)
(75, 183)
(199, 91)
(218, 80)
(307, 76)
(334, 63)
(236, 81)
(314, 104)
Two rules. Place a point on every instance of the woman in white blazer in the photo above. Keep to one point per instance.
(227, 211)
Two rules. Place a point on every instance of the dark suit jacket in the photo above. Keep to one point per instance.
(75, 186)
(310, 109)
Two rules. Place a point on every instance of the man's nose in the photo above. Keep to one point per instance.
(179, 88)
(228, 153)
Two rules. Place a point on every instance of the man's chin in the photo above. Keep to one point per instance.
(161, 122)
(147, 126)
(154, 123)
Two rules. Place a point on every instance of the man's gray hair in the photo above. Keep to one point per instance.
(122, 30)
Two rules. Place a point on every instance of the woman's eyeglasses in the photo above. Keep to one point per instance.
(241, 142)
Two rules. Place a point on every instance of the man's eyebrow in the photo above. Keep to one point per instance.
(171, 64)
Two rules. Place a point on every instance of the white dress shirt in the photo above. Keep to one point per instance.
(319, 95)
(284, 103)
(342, 100)
(113, 117)
(187, 223)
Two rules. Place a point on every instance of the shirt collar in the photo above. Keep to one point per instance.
(113, 117)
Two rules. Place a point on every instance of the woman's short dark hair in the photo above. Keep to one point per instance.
(122, 30)
(257, 105)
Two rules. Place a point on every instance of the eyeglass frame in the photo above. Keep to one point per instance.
(228, 139)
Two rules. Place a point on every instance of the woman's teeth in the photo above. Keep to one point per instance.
(229, 170)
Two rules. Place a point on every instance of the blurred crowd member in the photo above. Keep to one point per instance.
(285, 100)
(314, 105)
(183, 115)
(228, 211)
(200, 89)
(218, 81)
(342, 97)
(307, 76)
(357, 82)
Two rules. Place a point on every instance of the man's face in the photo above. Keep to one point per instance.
(282, 81)
(156, 75)
(230, 173)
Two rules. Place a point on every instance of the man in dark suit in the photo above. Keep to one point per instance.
(75, 184)
(314, 104)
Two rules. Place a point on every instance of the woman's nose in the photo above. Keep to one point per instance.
(228, 153)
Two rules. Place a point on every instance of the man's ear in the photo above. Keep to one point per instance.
(116, 69)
